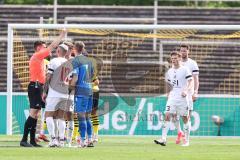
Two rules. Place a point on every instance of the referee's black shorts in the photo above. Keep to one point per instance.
(35, 90)
(95, 100)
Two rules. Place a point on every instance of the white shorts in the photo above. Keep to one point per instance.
(54, 103)
(177, 106)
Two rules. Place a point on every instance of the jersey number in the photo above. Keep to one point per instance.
(175, 82)
(168, 108)
(64, 73)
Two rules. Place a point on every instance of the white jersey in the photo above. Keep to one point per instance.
(54, 64)
(193, 67)
(178, 79)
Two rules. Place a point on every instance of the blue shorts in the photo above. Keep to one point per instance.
(83, 104)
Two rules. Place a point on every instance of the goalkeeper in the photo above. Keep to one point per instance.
(82, 85)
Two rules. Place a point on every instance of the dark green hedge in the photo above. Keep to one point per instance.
(124, 2)
(82, 2)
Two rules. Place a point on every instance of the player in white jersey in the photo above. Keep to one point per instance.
(192, 94)
(57, 96)
(69, 115)
(180, 80)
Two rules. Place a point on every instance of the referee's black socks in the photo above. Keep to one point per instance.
(33, 131)
(30, 126)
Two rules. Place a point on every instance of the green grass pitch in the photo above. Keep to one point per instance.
(127, 148)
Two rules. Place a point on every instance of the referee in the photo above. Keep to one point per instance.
(35, 88)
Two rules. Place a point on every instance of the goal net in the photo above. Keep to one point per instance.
(132, 87)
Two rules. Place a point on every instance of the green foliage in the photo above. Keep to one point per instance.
(106, 2)
(83, 2)
(127, 3)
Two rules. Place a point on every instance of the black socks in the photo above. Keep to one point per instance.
(30, 126)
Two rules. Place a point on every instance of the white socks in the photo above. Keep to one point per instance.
(61, 128)
(51, 126)
(165, 129)
(186, 129)
(70, 131)
(56, 127)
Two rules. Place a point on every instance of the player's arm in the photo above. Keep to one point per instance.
(46, 86)
(47, 51)
(189, 84)
(168, 84)
(92, 71)
(48, 79)
(168, 89)
(95, 70)
(195, 73)
(55, 43)
(188, 87)
(196, 86)
(73, 82)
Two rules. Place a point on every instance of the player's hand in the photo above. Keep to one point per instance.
(96, 82)
(64, 32)
(194, 97)
(71, 89)
(184, 94)
(44, 96)
(66, 81)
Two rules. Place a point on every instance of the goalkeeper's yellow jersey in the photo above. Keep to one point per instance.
(95, 87)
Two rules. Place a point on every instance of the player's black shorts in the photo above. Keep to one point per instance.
(95, 99)
(35, 90)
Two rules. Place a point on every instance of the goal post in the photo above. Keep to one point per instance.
(9, 80)
(124, 26)
(126, 53)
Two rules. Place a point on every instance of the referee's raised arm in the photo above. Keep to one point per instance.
(55, 43)
(41, 54)
(35, 87)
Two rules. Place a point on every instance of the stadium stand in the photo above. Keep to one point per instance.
(220, 59)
